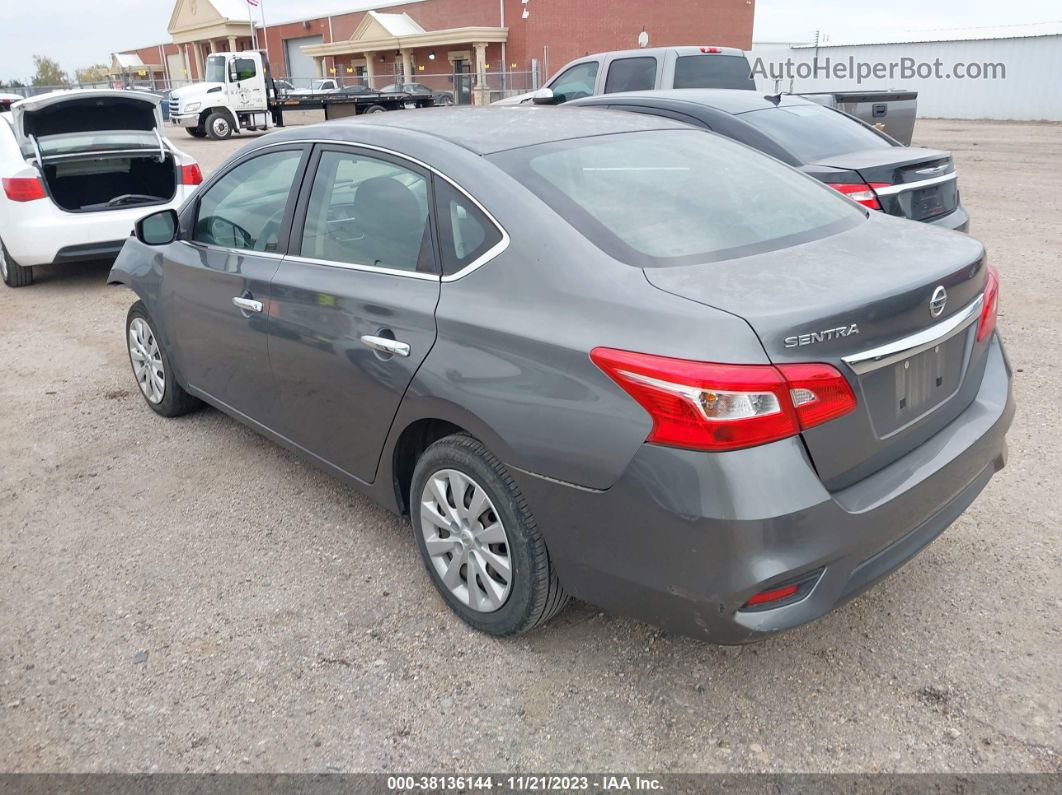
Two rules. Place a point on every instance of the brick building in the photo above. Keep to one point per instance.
(495, 43)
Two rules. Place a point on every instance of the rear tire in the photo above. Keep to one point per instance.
(153, 367)
(487, 558)
(218, 126)
(14, 275)
(375, 109)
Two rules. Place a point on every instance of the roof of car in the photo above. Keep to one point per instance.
(485, 130)
(725, 99)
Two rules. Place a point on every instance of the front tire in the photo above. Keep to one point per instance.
(479, 541)
(153, 368)
(196, 132)
(218, 126)
(13, 274)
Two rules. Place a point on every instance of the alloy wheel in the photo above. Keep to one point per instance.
(465, 540)
(221, 128)
(148, 366)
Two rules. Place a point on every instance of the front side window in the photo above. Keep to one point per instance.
(631, 74)
(670, 197)
(576, 82)
(244, 209)
(465, 233)
(244, 69)
(368, 211)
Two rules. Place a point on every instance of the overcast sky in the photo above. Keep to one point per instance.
(83, 33)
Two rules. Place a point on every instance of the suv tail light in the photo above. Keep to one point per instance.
(715, 407)
(24, 189)
(861, 192)
(711, 50)
(989, 310)
(191, 175)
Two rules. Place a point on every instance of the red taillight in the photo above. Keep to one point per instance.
(704, 406)
(989, 310)
(773, 595)
(861, 192)
(23, 189)
(191, 175)
(711, 50)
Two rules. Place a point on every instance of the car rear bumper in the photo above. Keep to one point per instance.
(957, 219)
(684, 539)
(39, 233)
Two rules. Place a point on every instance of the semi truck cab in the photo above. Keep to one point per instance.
(238, 94)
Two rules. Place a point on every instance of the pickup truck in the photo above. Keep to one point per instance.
(661, 68)
(239, 94)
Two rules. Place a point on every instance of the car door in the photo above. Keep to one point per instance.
(248, 94)
(216, 279)
(353, 305)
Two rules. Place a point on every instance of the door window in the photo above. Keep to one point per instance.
(631, 74)
(244, 209)
(244, 69)
(465, 233)
(576, 82)
(368, 211)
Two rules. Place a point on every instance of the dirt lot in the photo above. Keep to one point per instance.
(184, 595)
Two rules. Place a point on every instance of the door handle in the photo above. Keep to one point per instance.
(386, 345)
(247, 304)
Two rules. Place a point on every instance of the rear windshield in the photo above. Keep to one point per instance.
(671, 197)
(713, 71)
(812, 132)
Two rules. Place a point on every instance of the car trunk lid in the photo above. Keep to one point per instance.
(848, 301)
(910, 182)
(65, 124)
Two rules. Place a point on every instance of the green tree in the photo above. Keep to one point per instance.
(97, 73)
(49, 72)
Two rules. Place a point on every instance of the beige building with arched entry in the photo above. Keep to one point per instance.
(200, 27)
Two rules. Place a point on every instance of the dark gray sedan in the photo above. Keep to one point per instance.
(599, 354)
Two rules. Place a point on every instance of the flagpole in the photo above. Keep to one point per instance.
(265, 33)
(254, 31)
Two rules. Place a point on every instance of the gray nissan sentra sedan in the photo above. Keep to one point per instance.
(598, 354)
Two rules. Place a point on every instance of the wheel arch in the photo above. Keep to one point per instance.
(415, 431)
(205, 114)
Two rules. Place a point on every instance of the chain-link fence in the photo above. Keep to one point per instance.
(447, 88)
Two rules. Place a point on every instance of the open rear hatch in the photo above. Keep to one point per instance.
(866, 309)
(97, 150)
(920, 184)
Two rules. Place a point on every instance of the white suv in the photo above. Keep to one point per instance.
(79, 168)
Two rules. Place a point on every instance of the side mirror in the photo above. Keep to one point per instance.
(158, 229)
(544, 96)
(233, 77)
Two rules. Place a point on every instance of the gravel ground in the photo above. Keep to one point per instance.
(186, 596)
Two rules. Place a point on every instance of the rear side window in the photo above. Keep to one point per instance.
(713, 71)
(672, 197)
(244, 209)
(631, 74)
(812, 132)
(576, 82)
(368, 211)
(465, 233)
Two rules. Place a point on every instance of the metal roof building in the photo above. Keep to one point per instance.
(1004, 72)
